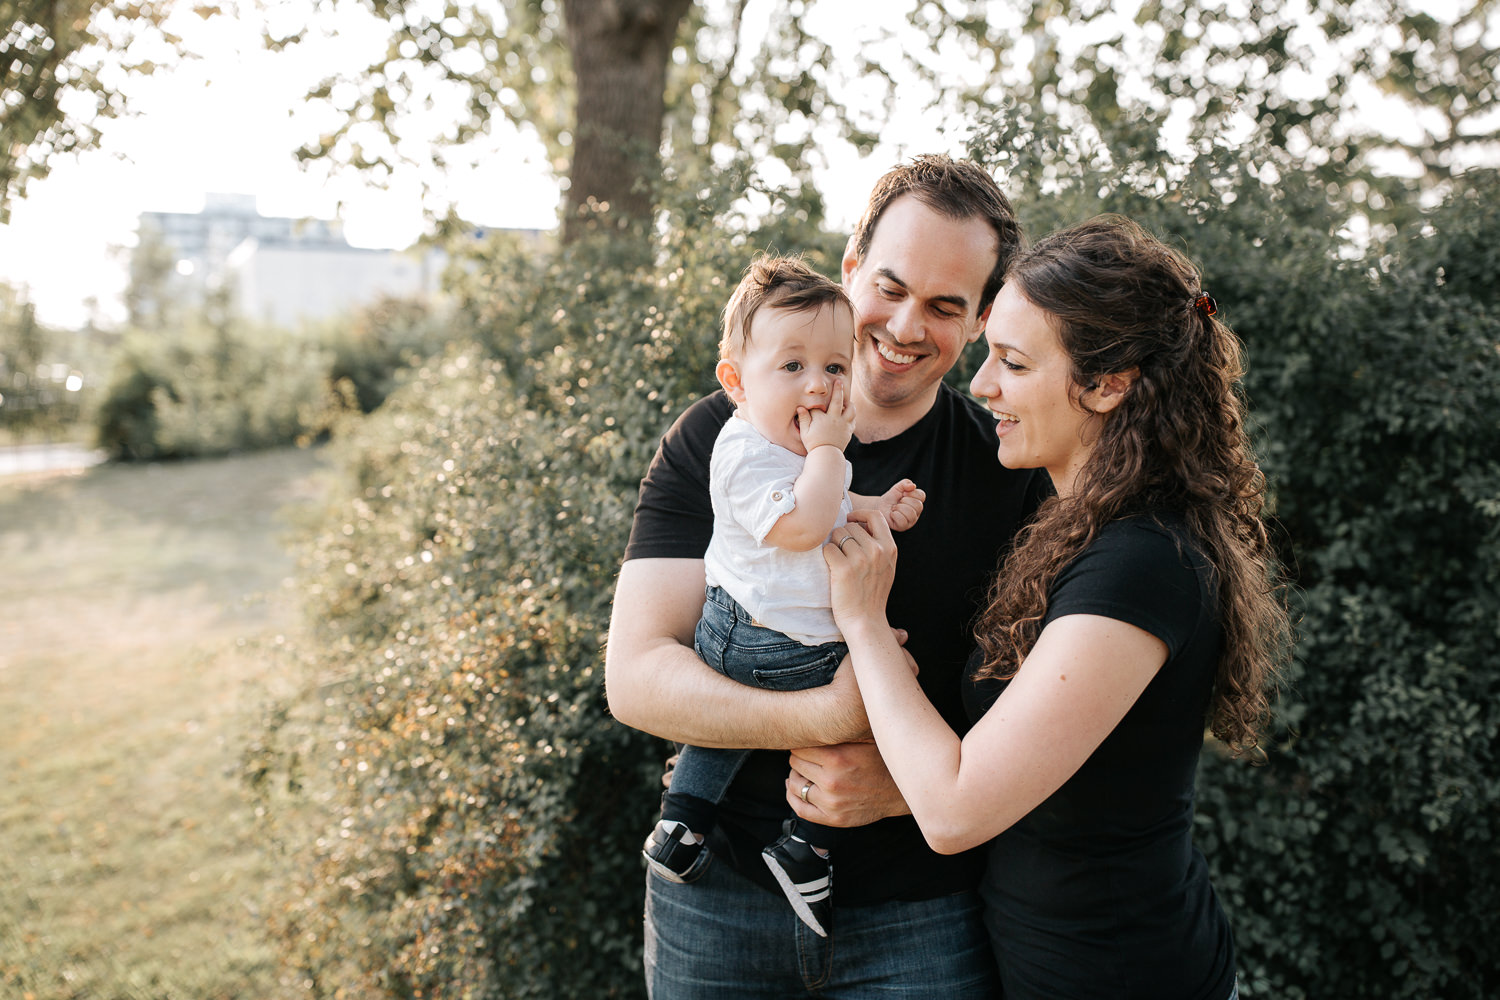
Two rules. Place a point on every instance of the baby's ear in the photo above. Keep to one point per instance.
(728, 374)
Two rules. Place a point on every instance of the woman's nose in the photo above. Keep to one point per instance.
(983, 382)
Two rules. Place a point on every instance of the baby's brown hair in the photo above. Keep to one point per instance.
(780, 283)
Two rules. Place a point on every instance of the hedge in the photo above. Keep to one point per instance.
(483, 813)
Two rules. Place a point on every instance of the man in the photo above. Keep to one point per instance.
(922, 268)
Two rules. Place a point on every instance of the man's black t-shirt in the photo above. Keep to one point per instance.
(973, 508)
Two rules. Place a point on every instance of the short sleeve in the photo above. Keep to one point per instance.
(1139, 573)
(753, 480)
(673, 516)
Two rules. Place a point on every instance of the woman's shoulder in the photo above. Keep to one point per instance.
(1144, 570)
(1157, 530)
(1143, 550)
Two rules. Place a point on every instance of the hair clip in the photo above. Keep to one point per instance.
(1205, 304)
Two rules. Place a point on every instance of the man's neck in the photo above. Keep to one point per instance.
(873, 422)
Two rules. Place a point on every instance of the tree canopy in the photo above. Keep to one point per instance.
(1380, 94)
(63, 67)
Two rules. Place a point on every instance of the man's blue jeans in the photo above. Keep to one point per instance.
(724, 936)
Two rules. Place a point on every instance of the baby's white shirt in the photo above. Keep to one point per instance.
(750, 482)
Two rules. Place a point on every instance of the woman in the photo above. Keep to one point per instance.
(1138, 605)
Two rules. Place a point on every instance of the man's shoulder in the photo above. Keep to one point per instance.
(711, 411)
(697, 428)
(964, 414)
(969, 429)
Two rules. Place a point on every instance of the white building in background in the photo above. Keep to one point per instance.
(285, 271)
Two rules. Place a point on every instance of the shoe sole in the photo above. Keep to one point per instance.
(794, 896)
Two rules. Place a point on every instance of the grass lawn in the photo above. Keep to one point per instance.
(140, 609)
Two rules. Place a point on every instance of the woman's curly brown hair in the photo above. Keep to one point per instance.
(1121, 300)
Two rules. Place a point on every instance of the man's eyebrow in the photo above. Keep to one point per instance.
(957, 300)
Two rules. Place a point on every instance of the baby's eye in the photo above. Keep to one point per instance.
(792, 366)
(835, 369)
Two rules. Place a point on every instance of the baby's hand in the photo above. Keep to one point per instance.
(902, 504)
(834, 426)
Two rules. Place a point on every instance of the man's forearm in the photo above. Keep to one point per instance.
(656, 683)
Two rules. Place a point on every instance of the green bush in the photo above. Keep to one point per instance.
(1359, 861)
(1362, 857)
(204, 390)
(485, 813)
(39, 397)
(374, 347)
(215, 384)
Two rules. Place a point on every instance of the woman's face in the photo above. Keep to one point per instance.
(1027, 382)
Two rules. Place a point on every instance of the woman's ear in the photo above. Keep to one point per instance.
(728, 374)
(1110, 390)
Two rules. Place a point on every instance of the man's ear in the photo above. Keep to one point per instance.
(728, 374)
(980, 322)
(1110, 391)
(850, 262)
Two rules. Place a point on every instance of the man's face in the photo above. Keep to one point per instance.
(917, 293)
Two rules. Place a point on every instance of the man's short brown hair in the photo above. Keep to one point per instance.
(958, 189)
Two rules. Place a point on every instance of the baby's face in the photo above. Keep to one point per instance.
(791, 361)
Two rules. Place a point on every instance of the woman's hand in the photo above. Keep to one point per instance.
(861, 561)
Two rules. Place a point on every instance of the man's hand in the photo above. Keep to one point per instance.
(850, 785)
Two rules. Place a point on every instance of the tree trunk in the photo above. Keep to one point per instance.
(620, 51)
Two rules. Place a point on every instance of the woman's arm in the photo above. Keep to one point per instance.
(1080, 679)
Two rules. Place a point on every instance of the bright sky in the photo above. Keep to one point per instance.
(229, 123)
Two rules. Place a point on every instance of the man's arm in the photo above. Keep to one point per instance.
(656, 683)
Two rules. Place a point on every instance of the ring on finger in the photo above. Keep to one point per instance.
(805, 789)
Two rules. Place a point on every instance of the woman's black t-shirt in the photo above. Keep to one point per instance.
(974, 506)
(1099, 892)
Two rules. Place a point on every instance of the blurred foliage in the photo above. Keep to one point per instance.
(485, 815)
(198, 379)
(1357, 90)
(1358, 860)
(62, 67)
(373, 349)
(156, 295)
(45, 388)
(200, 389)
